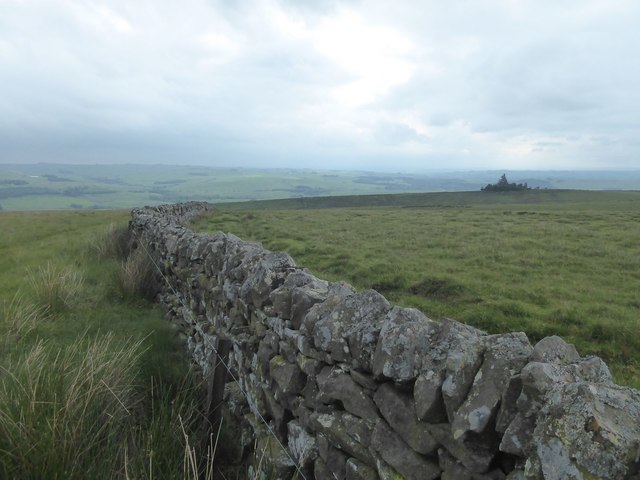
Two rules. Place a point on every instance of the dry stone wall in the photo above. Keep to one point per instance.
(358, 389)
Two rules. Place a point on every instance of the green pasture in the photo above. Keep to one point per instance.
(543, 262)
(64, 187)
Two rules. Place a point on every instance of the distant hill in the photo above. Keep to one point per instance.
(443, 199)
(60, 187)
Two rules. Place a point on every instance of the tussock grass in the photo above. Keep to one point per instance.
(62, 408)
(20, 317)
(57, 288)
(112, 243)
(79, 412)
(171, 441)
(137, 276)
(114, 402)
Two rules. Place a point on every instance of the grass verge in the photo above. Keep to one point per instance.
(92, 384)
(61, 406)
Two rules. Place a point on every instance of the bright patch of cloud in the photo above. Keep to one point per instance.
(100, 16)
(376, 57)
(218, 42)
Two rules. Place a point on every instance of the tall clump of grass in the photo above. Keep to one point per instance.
(137, 276)
(174, 442)
(65, 413)
(56, 288)
(114, 243)
(19, 317)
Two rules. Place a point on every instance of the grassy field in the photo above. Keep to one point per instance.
(92, 378)
(94, 382)
(544, 262)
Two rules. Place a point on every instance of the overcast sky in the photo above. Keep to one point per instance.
(395, 85)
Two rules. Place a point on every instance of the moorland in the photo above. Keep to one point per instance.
(78, 340)
(546, 262)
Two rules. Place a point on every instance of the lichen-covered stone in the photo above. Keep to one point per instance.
(464, 347)
(253, 389)
(335, 384)
(364, 329)
(302, 413)
(276, 325)
(394, 451)
(405, 338)
(347, 327)
(508, 404)
(427, 394)
(273, 409)
(476, 455)
(309, 366)
(397, 409)
(303, 298)
(312, 396)
(504, 355)
(537, 380)
(302, 445)
(241, 258)
(586, 431)
(281, 297)
(384, 470)
(518, 434)
(267, 349)
(305, 346)
(351, 434)
(288, 351)
(555, 350)
(326, 329)
(213, 255)
(287, 375)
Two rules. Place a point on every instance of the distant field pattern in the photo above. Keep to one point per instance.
(95, 187)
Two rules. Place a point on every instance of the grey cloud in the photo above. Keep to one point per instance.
(395, 134)
(558, 76)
